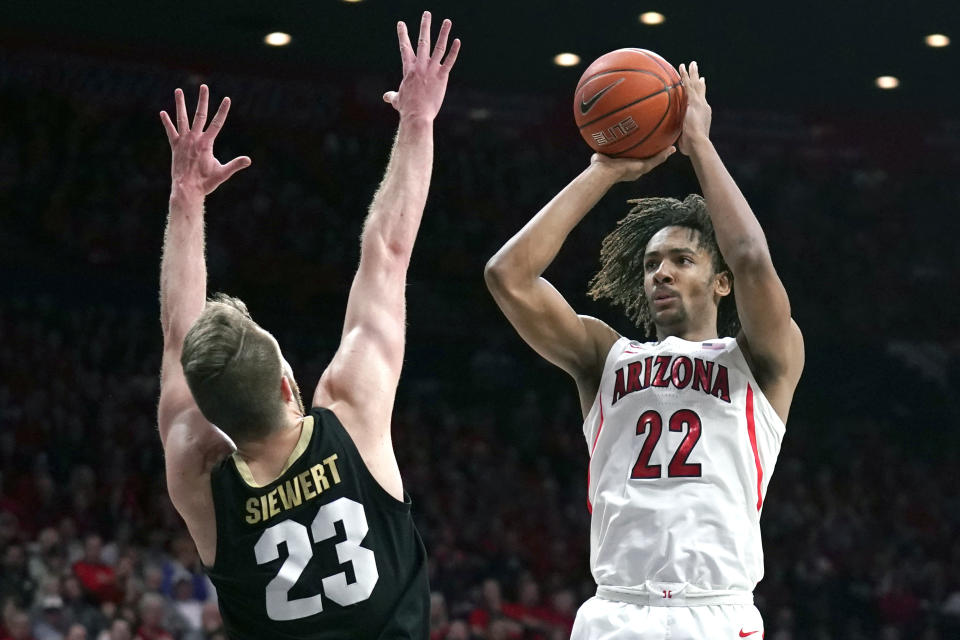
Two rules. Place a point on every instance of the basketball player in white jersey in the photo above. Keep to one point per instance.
(682, 432)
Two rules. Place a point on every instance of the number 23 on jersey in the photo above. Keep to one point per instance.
(299, 549)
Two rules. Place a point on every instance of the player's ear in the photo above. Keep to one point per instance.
(285, 389)
(722, 284)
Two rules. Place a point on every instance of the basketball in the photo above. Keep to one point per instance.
(629, 103)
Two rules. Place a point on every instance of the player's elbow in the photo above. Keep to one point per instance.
(749, 256)
(506, 282)
(492, 273)
(497, 275)
(389, 254)
(399, 251)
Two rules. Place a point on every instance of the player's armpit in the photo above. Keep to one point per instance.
(769, 334)
(192, 448)
(196, 441)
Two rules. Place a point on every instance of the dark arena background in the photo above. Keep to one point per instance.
(856, 187)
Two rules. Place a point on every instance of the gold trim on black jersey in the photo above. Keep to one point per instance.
(305, 433)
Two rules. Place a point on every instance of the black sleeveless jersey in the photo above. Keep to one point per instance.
(321, 553)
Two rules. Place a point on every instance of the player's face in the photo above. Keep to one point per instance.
(679, 281)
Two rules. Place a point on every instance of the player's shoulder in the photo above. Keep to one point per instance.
(768, 370)
(335, 431)
(725, 344)
(711, 349)
(328, 424)
(193, 445)
(602, 335)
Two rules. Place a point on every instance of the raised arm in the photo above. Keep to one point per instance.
(771, 338)
(540, 314)
(183, 271)
(191, 445)
(360, 383)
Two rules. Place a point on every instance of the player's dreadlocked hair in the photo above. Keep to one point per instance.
(620, 278)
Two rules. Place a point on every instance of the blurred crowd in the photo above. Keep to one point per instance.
(861, 523)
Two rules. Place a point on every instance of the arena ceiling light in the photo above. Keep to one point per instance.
(937, 40)
(887, 82)
(652, 17)
(277, 39)
(566, 59)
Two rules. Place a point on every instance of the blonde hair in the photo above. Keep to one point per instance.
(233, 370)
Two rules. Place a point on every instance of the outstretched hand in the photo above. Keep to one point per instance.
(696, 121)
(629, 169)
(194, 168)
(424, 74)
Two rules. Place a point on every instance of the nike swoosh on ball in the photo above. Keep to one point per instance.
(586, 105)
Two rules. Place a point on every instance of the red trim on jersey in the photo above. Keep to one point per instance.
(752, 432)
(592, 449)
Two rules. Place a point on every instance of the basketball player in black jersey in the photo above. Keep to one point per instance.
(300, 517)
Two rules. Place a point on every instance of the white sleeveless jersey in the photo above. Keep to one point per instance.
(682, 445)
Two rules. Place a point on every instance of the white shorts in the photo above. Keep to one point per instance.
(602, 619)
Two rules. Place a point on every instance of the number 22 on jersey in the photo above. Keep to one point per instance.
(299, 549)
(651, 424)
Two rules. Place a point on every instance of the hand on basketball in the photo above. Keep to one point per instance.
(629, 169)
(194, 169)
(424, 74)
(696, 122)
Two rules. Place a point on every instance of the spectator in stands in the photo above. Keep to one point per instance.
(151, 619)
(459, 630)
(49, 588)
(15, 580)
(211, 622)
(78, 608)
(9, 526)
(98, 578)
(491, 609)
(185, 561)
(562, 612)
(46, 559)
(185, 604)
(528, 609)
(439, 622)
(18, 626)
(76, 632)
(52, 624)
(119, 630)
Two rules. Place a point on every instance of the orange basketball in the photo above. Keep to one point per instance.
(629, 103)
